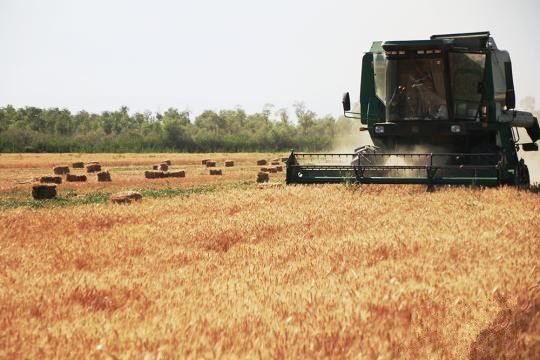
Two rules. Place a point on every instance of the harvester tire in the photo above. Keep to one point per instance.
(365, 152)
(524, 177)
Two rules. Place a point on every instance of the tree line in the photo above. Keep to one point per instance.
(32, 129)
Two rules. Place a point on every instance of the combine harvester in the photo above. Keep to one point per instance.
(439, 111)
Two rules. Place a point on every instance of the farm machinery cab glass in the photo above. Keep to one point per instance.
(413, 85)
(415, 89)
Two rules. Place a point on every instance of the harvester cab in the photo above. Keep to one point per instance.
(439, 111)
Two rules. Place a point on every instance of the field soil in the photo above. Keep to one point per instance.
(219, 266)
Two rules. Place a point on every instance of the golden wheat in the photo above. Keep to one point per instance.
(273, 272)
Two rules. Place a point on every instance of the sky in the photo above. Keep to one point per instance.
(99, 55)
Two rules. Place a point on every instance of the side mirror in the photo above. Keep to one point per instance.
(510, 99)
(530, 147)
(346, 102)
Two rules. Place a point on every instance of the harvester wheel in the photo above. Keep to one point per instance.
(364, 153)
(524, 177)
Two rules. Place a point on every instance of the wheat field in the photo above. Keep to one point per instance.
(245, 270)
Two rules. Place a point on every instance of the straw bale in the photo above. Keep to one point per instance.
(210, 163)
(125, 197)
(163, 167)
(279, 168)
(262, 177)
(176, 174)
(50, 179)
(43, 191)
(216, 172)
(61, 169)
(275, 162)
(168, 162)
(264, 169)
(78, 165)
(154, 174)
(75, 178)
(229, 163)
(104, 176)
(205, 161)
(272, 170)
(262, 162)
(155, 167)
(92, 168)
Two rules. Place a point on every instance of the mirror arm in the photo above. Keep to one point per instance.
(352, 115)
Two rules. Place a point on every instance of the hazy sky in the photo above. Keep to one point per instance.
(209, 54)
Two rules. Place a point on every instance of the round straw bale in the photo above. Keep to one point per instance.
(279, 168)
(163, 167)
(229, 163)
(104, 176)
(125, 197)
(262, 162)
(50, 179)
(78, 165)
(210, 163)
(204, 161)
(216, 172)
(43, 191)
(75, 178)
(178, 173)
(168, 162)
(262, 177)
(92, 168)
(61, 170)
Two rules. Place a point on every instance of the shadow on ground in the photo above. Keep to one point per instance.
(515, 332)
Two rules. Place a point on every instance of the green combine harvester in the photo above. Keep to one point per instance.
(439, 111)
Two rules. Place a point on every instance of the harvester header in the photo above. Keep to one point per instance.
(439, 111)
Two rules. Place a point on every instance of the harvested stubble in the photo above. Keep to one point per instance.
(50, 179)
(262, 177)
(154, 174)
(93, 167)
(216, 172)
(61, 170)
(210, 163)
(75, 178)
(43, 191)
(176, 174)
(104, 176)
(78, 165)
(262, 162)
(229, 163)
(204, 161)
(125, 197)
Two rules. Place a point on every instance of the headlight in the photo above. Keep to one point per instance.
(455, 129)
(379, 129)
